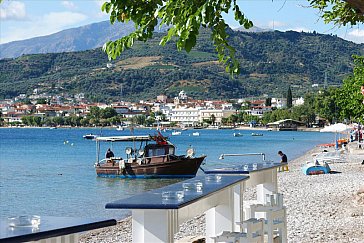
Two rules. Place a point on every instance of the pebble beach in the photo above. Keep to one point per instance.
(320, 208)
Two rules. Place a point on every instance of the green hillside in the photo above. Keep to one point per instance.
(270, 62)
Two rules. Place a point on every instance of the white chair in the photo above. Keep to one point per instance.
(275, 220)
(253, 232)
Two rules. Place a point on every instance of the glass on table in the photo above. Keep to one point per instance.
(24, 221)
(213, 178)
(194, 186)
(173, 195)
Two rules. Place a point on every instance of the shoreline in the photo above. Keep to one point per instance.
(320, 208)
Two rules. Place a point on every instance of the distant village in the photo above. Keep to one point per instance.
(175, 111)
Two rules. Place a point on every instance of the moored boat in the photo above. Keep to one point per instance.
(176, 133)
(152, 160)
(90, 136)
(257, 134)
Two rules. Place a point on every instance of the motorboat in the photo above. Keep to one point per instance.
(196, 134)
(120, 128)
(237, 134)
(176, 133)
(90, 136)
(257, 134)
(154, 157)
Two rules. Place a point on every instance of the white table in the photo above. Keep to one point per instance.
(157, 220)
(263, 175)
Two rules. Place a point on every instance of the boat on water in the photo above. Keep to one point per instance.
(196, 134)
(155, 158)
(237, 134)
(176, 133)
(257, 134)
(120, 128)
(90, 136)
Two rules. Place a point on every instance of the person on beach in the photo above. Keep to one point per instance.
(283, 160)
(109, 154)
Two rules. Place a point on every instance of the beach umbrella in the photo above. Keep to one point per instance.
(336, 128)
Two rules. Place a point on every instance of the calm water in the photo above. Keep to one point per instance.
(41, 174)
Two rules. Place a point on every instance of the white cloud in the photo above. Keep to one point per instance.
(12, 10)
(45, 25)
(300, 29)
(356, 35)
(68, 4)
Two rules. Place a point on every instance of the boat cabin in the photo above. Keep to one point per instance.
(157, 153)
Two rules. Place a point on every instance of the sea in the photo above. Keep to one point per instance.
(51, 172)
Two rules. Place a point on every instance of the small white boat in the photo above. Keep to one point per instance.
(196, 134)
(237, 134)
(120, 128)
(90, 136)
(176, 133)
(257, 134)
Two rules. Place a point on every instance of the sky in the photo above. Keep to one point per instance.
(21, 20)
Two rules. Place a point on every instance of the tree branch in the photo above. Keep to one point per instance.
(358, 4)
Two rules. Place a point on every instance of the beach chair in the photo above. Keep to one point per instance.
(274, 214)
(331, 157)
(275, 221)
(252, 233)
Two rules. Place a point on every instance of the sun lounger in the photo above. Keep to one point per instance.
(331, 157)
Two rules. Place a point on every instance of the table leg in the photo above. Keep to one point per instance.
(224, 216)
(269, 187)
(154, 225)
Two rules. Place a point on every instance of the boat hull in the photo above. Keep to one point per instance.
(181, 168)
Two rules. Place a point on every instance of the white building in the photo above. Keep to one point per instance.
(279, 102)
(298, 101)
(185, 116)
(217, 114)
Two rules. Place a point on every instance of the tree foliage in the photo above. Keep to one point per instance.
(340, 12)
(349, 97)
(289, 97)
(185, 17)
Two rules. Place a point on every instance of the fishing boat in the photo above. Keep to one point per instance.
(90, 136)
(154, 158)
(257, 134)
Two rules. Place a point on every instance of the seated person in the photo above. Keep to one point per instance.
(109, 154)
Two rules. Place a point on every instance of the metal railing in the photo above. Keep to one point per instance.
(222, 156)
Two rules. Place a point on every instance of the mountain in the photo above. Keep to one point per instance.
(254, 29)
(76, 39)
(270, 63)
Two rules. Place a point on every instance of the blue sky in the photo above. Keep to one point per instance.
(26, 19)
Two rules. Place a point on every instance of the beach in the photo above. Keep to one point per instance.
(320, 208)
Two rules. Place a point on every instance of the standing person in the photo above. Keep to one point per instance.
(283, 160)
